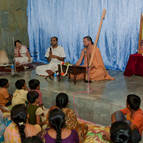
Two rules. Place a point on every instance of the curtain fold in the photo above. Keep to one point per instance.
(71, 20)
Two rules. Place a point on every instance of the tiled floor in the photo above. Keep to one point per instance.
(94, 102)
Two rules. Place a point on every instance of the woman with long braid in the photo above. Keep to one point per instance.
(58, 133)
(62, 101)
(19, 129)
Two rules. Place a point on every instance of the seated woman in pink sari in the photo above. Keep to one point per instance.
(97, 70)
(22, 55)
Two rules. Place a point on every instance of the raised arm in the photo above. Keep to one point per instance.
(81, 58)
(48, 54)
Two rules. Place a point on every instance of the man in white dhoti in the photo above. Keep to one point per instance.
(55, 55)
(21, 54)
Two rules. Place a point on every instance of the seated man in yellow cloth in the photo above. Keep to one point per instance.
(96, 70)
(21, 53)
(55, 55)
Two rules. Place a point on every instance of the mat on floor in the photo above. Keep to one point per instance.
(95, 132)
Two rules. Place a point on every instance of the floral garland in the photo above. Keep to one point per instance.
(62, 73)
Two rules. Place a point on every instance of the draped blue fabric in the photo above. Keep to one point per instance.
(71, 20)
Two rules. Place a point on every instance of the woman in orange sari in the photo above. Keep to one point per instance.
(96, 70)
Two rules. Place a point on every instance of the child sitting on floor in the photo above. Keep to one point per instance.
(35, 112)
(5, 98)
(34, 85)
(32, 107)
(20, 95)
(133, 115)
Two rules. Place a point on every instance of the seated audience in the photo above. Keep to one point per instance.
(5, 98)
(58, 133)
(70, 116)
(34, 84)
(32, 107)
(19, 129)
(21, 53)
(34, 139)
(36, 113)
(20, 95)
(120, 132)
(133, 115)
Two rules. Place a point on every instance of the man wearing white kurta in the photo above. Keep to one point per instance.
(55, 55)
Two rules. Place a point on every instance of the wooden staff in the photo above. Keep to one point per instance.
(140, 34)
(98, 34)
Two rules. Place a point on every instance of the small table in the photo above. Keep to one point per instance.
(135, 65)
(74, 70)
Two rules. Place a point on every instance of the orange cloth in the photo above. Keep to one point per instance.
(97, 71)
(137, 118)
(140, 50)
(4, 95)
(73, 124)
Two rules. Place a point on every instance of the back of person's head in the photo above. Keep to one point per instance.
(34, 84)
(57, 122)
(17, 41)
(3, 82)
(62, 100)
(133, 101)
(120, 132)
(34, 139)
(19, 117)
(32, 96)
(20, 84)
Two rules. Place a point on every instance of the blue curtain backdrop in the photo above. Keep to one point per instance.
(71, 20)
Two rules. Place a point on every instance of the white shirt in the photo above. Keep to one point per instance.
(59, 51)
(22, 51)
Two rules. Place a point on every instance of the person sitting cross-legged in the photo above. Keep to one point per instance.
(133, 115)
(55, 55)
(21, 54)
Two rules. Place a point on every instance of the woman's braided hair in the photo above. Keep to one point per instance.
(57, 122)
(19, 117)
